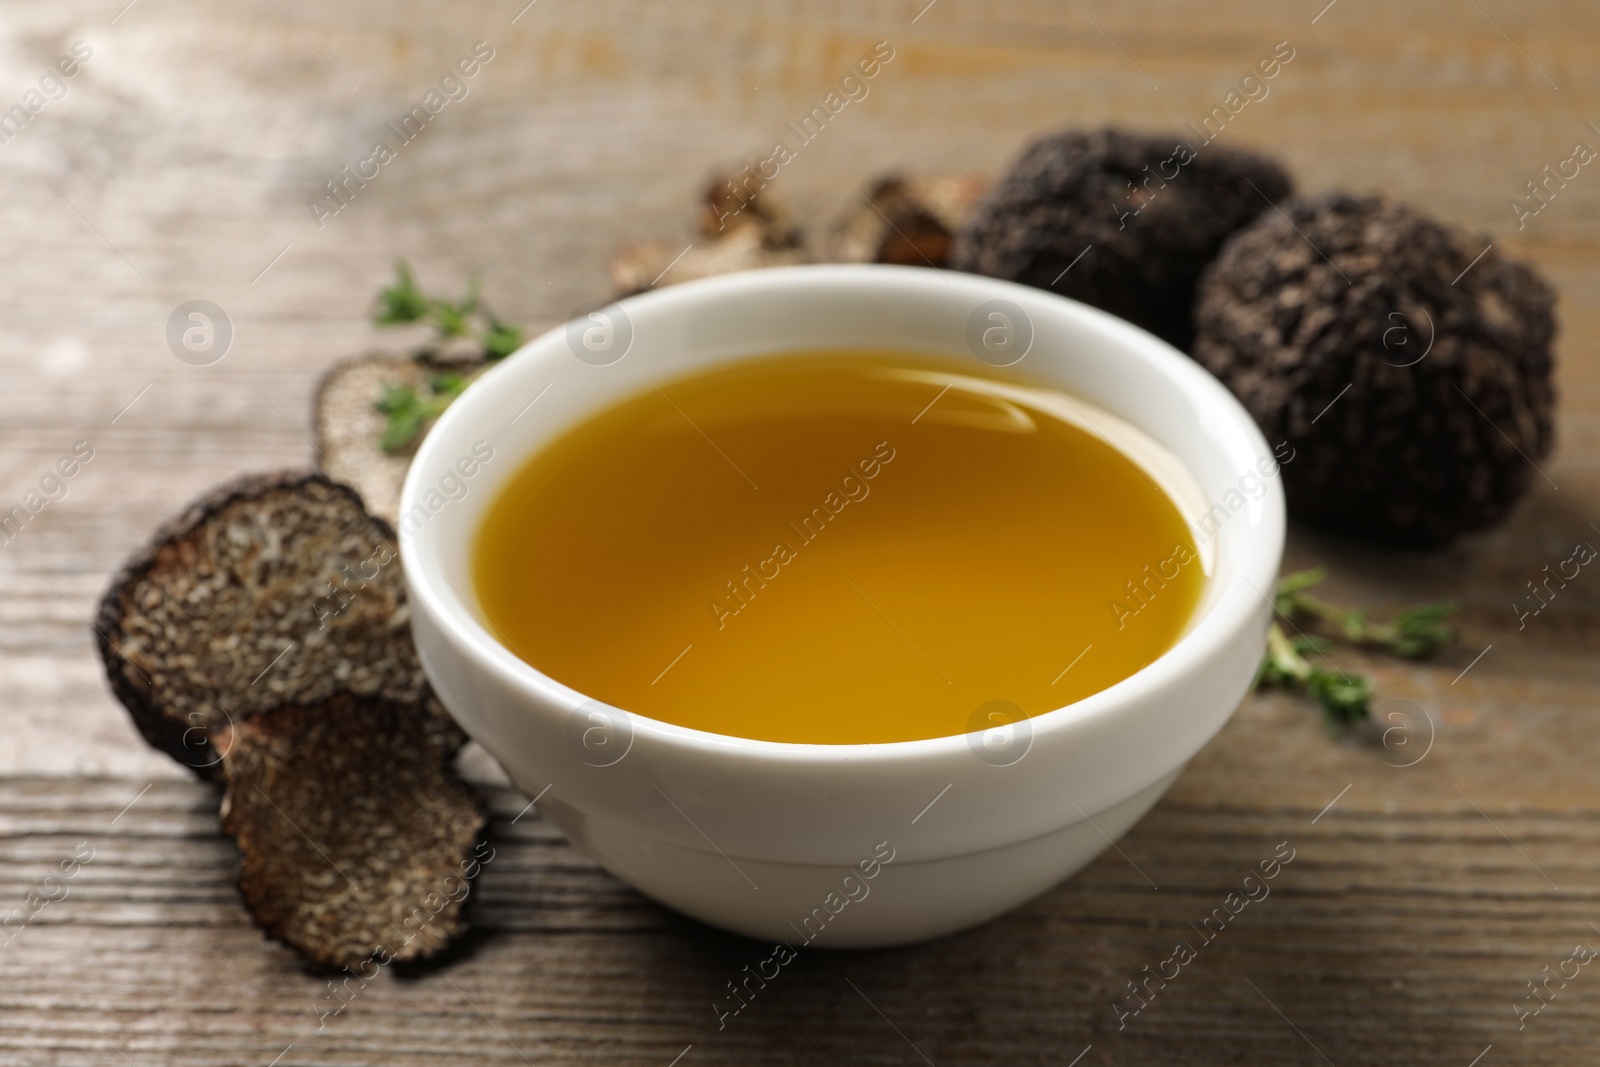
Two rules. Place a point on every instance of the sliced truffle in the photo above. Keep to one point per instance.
(911, 221)
(358, 838)
(348, 428)
(650, 264)
(275, 588)
(1406, 365)
(738, 199)
(1123, 221)
(742, 225)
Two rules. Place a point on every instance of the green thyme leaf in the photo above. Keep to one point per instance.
(1345, 699)
(396, 398)
(410, 414)
(1413, 633)
(407, 415)
(454, 320)
(1291, 584)
(404, 302)
(1284, 665)
(447, 385)
(501, 339)
(1420, 631)
(401, 302)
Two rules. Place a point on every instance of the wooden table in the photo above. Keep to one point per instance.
(178, 166)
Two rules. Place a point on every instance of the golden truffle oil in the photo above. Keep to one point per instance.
(835, 548)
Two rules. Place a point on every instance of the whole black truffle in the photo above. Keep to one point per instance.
(1146, 214)
(1407, 368)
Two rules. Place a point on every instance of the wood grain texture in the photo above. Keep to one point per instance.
(178, 166)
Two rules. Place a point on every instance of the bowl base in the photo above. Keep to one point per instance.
(815, 906)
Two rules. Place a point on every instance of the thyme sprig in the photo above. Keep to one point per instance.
(1413, 633)
(404, 302)
(1344, 697)
(410, 414)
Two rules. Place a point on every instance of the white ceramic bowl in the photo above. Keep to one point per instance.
(837, 845)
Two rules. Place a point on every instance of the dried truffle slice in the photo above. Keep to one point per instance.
(348, 427)
(359, 840)
(911, 221)
(742, 226)
(1144, 213)
(739, 198)
(275, 588)
(1410, 378)
(652, 264)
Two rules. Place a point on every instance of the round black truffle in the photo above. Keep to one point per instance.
(1406, 368)
(1144, 213)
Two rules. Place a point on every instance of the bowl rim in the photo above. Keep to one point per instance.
(1208, 635)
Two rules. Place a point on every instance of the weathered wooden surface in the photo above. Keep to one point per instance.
(178, 166)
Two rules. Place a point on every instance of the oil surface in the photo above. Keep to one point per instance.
(835, 548)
